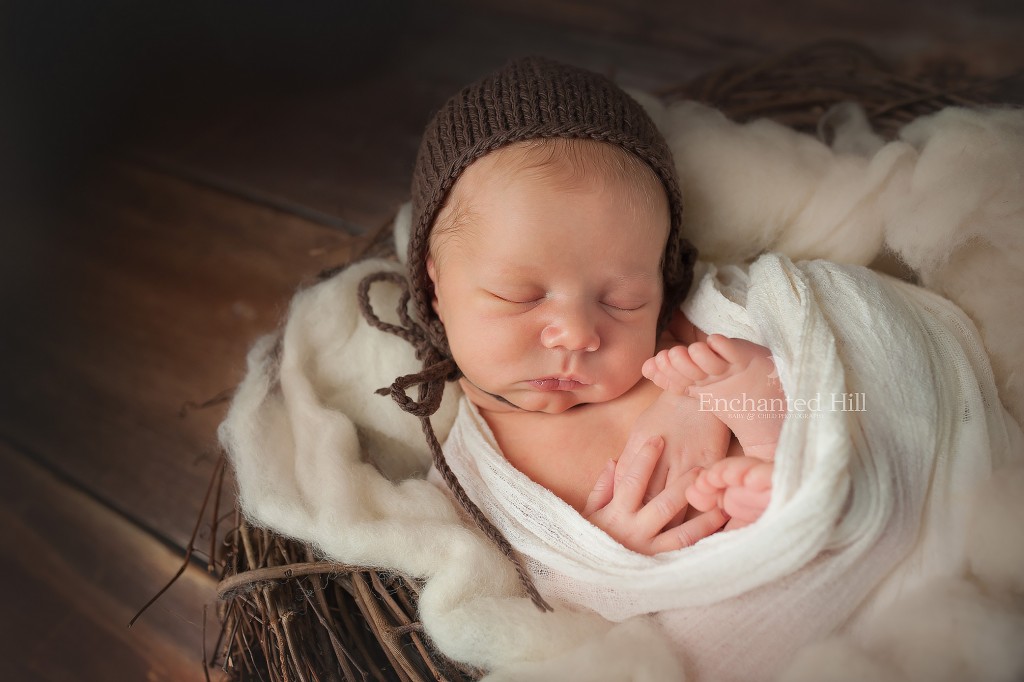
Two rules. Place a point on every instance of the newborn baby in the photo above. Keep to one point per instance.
(546, 265)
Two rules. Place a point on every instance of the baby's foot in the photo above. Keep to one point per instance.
(672, 370)
(739, 486)
(734, 379)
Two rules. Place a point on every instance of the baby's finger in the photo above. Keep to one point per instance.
(601, 495)
(629, 453)
(690, 476)
(689, 533)
(667, 504)
(681, 516)
(631, 485)
(658, 480)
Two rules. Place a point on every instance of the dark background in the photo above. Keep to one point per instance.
(81, 75)
(171, 172)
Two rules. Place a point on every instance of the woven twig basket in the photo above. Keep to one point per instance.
(288, 615)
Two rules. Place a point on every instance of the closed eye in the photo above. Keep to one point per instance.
(627, 307)
(518, 300)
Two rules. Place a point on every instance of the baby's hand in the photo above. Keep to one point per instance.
(616, 505)
(692, 439)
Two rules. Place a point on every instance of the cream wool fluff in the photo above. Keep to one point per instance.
(946, 197)
(310, 441)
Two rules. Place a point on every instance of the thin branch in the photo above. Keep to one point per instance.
(249, 579)
(188, 550)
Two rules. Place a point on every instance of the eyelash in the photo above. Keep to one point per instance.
(625, 310)
(608, 305)
(509, 300)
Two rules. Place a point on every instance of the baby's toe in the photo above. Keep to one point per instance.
(736, 351)
(677, 361)
(703, 498)
(707, 359)
(759, 477)
(745, 505)
(659, 370)
(650, 369)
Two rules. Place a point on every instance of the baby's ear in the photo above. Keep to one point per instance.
(431, 270)
(432, 274)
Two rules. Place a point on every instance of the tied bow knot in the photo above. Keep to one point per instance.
(437, 368)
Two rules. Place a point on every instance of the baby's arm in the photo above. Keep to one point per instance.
(693, 438)
(727, 373)
(616, 505)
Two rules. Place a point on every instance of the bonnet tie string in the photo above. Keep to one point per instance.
(411, 330)
(431, 388)
(430, 382)
(437, 369)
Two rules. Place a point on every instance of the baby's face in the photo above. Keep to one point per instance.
(550, 295)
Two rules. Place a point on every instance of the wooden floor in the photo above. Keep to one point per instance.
(148, 264)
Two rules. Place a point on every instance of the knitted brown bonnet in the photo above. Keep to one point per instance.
(534, 98)
(528, 99)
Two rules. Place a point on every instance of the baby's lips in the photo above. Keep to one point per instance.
(554, 384)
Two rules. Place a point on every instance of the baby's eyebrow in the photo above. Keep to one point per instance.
(507, 270)
(635, 278)
(530, 269)
(637, 274)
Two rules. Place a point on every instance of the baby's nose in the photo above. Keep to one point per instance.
(573, 329)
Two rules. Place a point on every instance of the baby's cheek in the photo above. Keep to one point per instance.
(510, 331)
(640, 340)
(482, 341)
(635, 349)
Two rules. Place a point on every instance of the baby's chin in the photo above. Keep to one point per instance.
(523, 401)
(546, 402)
(551, 402)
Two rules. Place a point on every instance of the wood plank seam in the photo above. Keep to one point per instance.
(66, 479)
(242, 192)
